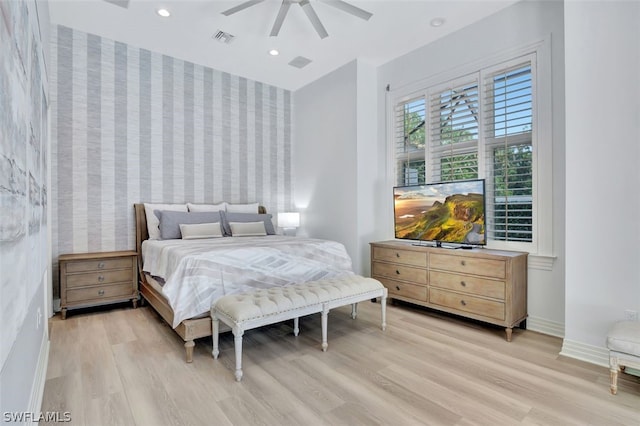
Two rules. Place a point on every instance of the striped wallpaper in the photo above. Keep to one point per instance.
(130, 125)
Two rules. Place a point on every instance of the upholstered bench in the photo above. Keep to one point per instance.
(623, 342)
(260, 307)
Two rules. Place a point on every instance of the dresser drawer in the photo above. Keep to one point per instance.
(466, 303)
(94, 294)
(468, 265)
(406, 257)
(98, 264)
(399, 272)
(468, 284)
(97, 278)
(398, 288)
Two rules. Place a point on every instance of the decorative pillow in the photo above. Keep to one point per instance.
(207, 207)
(200, 230)
(243, 208)
(244, 218)
(170, 221)
(247, 229)
(153, 221)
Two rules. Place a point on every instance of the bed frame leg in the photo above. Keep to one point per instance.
(296, 326)
(383, 304)
(325, 314)
(188, 346)
(354, 310)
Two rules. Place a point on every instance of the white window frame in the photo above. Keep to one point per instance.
(542, 218)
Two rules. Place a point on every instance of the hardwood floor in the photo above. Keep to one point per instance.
(126, 367)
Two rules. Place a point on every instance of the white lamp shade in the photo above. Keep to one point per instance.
(289, 220)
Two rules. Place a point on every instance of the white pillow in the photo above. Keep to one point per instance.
(247, 229)
(242, 208)
(200, 230)
(207, 207)
(152, 220)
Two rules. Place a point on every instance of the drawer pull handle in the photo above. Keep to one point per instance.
(463, 284)
(463, 303)
(100, 292)
(397, 254)
(101, 265)
(398, 287)
(397, 272)
(100, 278)
(462, 262)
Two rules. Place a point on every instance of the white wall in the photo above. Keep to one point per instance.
(602, 42)
(23, 371)
(324, 158)
(514, 27)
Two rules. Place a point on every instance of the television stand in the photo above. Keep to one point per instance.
(485, 285)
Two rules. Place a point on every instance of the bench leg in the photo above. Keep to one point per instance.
(215, 326)
(354, 310)
(296, 328)
(383, 304)
(614, 369)
(325, 345)
(237, 341)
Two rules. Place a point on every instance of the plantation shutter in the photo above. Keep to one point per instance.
(453, 132)
(508, 125)
(409, 135)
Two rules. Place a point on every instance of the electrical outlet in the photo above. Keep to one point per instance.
(630, 315)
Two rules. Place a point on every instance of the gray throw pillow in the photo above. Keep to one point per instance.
(170, 221)
(246, 217)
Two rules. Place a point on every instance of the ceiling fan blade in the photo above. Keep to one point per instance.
(349, 8)
(241, 6)
(313, 17)
(282, 13)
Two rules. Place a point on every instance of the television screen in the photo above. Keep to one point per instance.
(447, 212)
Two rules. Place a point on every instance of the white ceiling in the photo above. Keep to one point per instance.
(397, 27)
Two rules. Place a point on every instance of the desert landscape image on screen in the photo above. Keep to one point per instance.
(449, 212)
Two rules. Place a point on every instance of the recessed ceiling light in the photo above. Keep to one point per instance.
(274, 52)
(164, 13)
(437, 22)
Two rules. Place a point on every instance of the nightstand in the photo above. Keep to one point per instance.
(92, 279)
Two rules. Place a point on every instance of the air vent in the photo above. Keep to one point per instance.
(300, 62)
(121, 3)
(223, 37)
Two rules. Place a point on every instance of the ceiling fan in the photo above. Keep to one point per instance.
(308, 10)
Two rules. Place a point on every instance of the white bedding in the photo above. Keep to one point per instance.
(197, 272)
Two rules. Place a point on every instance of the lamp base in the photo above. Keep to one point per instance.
(290, 232)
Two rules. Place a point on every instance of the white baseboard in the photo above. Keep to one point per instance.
(593, 354)
(37, 389)
(544, 326)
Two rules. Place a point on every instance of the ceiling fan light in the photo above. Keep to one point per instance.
(163, 12)
(274, 52)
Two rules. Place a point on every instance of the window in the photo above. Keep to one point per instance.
(478, 126)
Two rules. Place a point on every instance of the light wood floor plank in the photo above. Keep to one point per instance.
(125, 366)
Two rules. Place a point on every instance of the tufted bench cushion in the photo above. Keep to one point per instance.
(260, 307)
(623, 342)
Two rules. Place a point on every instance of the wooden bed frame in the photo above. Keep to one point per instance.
(189, 329)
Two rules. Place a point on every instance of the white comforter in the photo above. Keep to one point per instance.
(197, 272)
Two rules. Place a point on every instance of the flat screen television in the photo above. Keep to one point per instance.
(446, 212)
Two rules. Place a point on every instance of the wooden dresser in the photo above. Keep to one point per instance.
(91, 279)
(486, 285)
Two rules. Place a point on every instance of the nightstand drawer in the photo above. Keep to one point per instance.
(99, 278)
(98, 264)
(398, 288)
(405, 257)
(468, 284)
(94, 294)
(468, 265)
(466, 303)
(398, 272)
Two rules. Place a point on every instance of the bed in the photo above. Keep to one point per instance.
(235, 264)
